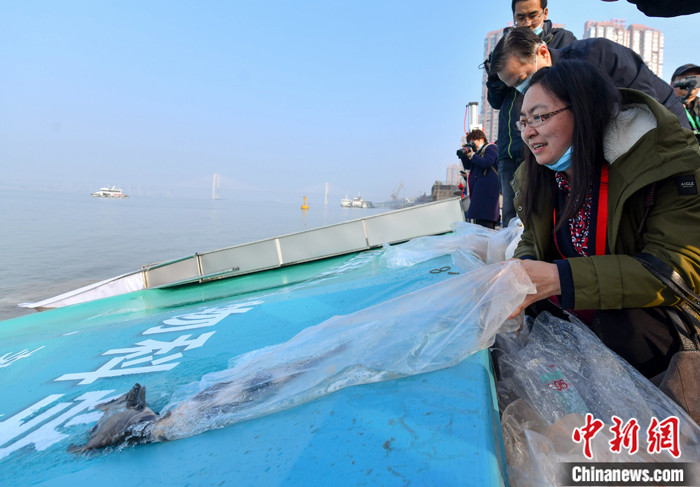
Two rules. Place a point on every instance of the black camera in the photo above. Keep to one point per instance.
(687, 83)
(462, 153)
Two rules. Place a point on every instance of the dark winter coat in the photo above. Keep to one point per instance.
(484, 185)
(626, 68)
(509, 100)
(664, 8)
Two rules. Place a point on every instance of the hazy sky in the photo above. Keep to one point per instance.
(276, 96)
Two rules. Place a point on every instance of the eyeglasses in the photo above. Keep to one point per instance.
(528, 19)
(537, 120)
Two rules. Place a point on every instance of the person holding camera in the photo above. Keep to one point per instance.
(481, 158)
(686, 84)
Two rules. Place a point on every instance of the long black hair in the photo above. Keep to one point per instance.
(594, 101)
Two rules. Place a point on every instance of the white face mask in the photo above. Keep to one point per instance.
(538, 30)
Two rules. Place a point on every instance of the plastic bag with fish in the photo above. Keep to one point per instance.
(425, 330)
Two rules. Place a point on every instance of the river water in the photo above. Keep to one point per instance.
(53, 242)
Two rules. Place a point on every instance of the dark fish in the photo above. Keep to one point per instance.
(127, 419)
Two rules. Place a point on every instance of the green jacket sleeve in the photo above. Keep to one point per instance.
(526, 247)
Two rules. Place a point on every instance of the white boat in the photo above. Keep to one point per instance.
(111, 192)
(356, 202)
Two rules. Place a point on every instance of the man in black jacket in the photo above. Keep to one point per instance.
(520, 53)
(532, 14)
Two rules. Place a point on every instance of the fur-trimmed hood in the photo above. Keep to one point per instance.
(631, 124)
(645, 141)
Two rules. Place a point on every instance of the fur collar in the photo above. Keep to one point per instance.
(626, 129)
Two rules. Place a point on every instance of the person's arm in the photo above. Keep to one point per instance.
(655, 8)
(466, 163)
(546, 280)
(628, 70)
(488, 160)
(525, 249)
(496, 91)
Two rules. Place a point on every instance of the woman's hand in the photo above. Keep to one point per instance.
(545, 277)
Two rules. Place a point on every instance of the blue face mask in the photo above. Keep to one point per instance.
(563, 163)
(538, 30)
(522, 87)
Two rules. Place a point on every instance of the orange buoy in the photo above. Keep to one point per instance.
(304, 205)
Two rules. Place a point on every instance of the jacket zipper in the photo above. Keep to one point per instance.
(510, 112)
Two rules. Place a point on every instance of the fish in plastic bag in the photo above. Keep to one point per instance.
(422, 331)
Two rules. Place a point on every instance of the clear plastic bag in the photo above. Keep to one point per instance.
(502, 244)
(490, 246)
(551, 377)
(465, 238)
(429, 329)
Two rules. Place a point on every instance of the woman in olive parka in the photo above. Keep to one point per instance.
(610, 176)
